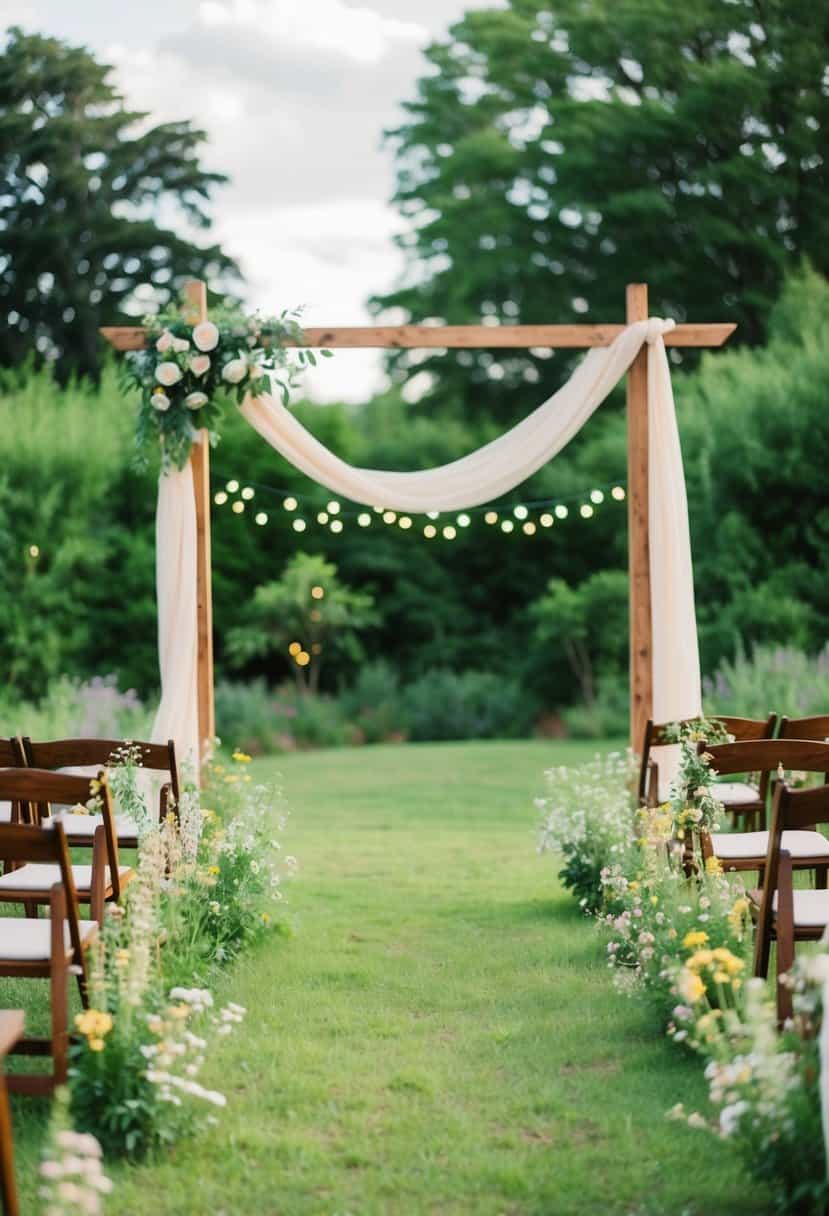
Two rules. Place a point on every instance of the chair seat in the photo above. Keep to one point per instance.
(30, 941)
(811, 909)
(740, 846)
(5, 812)
(80, 828)
(38, 877)
(732, 792)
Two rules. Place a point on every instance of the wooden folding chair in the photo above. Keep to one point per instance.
(809, 850)
(781, 913)
(85, 753)
(740, 799)
(11, 1031)
(95, 884)
(45, 949)
(11, 756)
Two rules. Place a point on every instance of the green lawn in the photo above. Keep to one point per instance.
(440, 1034)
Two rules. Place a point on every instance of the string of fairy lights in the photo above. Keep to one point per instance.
(520, 518)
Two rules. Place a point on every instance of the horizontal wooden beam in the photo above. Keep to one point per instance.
(460, 337)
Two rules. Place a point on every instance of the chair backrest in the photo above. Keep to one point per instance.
(791, 810)
(78, 753)
(41, 788)
(742, 729)
(766, 755)
(11, 754)
(816, 727)
(47, 845)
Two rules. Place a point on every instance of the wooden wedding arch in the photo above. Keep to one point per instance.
(471, 337)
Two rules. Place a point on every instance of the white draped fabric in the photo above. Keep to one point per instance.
(175, 538)
(486, 474)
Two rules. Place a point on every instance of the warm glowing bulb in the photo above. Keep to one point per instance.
(430, 530)
(449, 532)
(290, 504)
(464, 520)
(238, 508)
(302, 659)
(333, 507)
(336, 525)
(232, 486)
(294, 648)
(560, 512)
(317, 593)
(528, 529)
(405, 522)
(491, 517)
(220, 499)
(299, 525)
(389, 517)
(546, 520)
(364, 519)
(261, 519)
(433, 514)
(585, 511)
(520, 512)
(34, 551)
(507, 525)
(618, 493)
(248, 493)
(596, 496)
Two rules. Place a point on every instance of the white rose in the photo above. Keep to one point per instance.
(180, 345)
(168, 374)
(194, 401)
(205, 336)
(235, 371)
(164, 342)
(160, 401)
(199, 364)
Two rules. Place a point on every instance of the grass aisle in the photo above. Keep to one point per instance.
(441, 1034)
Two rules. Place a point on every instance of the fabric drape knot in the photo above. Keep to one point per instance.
(657, 328)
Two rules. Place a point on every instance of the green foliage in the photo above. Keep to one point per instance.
(752, 686)
(590, 623)
(552, 155)
(309, 609)
(80, 243)
(374, 704)
(444, 704)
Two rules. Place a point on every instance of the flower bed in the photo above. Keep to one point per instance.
(208, 884)
(678, 934)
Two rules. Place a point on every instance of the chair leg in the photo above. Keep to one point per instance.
(785, 935)
(8, 1187)
(59, 983)
(99, 872)
(821, 877)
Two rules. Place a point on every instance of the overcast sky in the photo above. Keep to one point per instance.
(295, 95)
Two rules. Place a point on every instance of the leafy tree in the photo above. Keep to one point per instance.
(308, 613)
(84, 181)
(588, 622)
(555, 152)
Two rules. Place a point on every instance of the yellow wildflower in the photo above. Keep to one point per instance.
(96, 1044)
(241, 757)
(713, 865)
(690, 986)
(231, 779)
(654, 900)
(702, 958)
(694, 938)
(212, 869)
(633, 886)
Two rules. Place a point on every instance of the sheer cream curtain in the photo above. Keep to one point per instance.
(486, 474)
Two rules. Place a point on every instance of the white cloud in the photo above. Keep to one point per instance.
(331, 25)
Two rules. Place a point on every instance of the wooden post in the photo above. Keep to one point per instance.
(195, 295)
(639, 555)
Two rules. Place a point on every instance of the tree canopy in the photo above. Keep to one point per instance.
(85, 180)
(554, 153)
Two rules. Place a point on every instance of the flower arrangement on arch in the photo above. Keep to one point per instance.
(187, 372)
